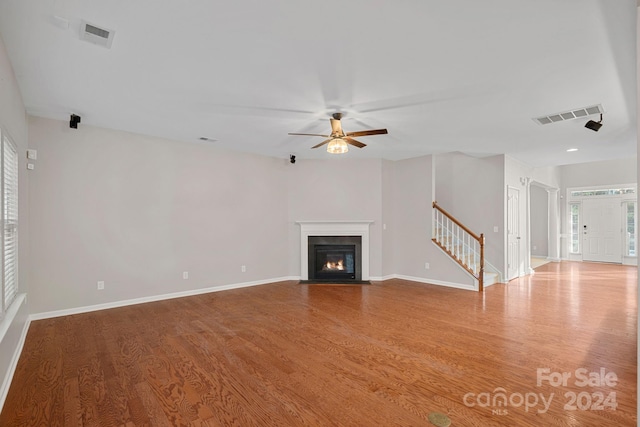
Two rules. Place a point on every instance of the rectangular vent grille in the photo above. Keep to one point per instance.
(569, 115)
(96, 35)
(97, 31)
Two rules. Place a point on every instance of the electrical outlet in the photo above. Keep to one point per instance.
(243, 269)
(185, 275)
(100, 285)
(495, 229)
(426, 266)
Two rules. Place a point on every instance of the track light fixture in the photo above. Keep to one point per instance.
(292, 159)
(74, 120)
(594, 126)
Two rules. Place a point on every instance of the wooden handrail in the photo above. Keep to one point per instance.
(455, 221)
(479, 239)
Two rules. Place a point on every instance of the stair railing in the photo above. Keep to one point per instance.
(461, 244)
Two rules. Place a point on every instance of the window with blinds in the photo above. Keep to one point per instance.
(10, 221)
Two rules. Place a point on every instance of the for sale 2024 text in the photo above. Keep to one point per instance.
(582, 377)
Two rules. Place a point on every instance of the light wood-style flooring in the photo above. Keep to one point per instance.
(386, 354)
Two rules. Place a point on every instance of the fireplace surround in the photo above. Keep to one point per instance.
(339, 234)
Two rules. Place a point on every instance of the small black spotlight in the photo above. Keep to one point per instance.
(594, 126)
(292, 159)
(74, 120)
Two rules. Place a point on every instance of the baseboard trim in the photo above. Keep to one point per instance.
(124, 303)
(432, 282)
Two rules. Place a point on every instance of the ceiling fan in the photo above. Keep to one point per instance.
(338, 139)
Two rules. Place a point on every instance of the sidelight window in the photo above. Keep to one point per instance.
(574, 209)
(629, 209)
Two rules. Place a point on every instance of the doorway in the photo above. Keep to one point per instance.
(601, 230)
(602, 224)
(513, 233)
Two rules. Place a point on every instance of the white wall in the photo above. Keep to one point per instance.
(539, 221)
(388, 218)
(413, 193)
(473, 190)
(13, 120)
(339, 188)
(607, 172)
(136, 211)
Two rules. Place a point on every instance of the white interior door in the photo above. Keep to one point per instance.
(602, 230)
(513, 233)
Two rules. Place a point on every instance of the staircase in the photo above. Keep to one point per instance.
(463, 245)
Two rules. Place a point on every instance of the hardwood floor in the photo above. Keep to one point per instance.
(386, 354)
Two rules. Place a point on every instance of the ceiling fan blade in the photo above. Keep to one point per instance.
(353, 142)
(368, 132)
(336, 127)
(326, 141)
(309, 134)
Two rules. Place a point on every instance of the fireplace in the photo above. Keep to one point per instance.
(335, 258)
(355, 232)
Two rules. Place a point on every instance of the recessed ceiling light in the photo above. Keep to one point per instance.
(571, 150)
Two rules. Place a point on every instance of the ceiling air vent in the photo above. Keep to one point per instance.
(569, 115)
(96, 35)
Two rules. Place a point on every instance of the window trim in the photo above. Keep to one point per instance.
(9, 207)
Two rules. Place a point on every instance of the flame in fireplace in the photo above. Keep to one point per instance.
(334, 265)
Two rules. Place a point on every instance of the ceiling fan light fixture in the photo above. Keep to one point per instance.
(337, 146)
(338, 141)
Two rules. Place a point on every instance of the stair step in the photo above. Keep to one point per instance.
(490, 278)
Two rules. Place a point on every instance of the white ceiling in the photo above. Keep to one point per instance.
(440, 75)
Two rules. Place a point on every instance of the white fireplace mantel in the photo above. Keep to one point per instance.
(333, 228)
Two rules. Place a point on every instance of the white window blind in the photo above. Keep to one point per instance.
(10, 220)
